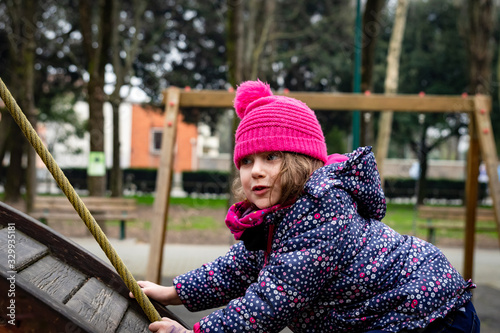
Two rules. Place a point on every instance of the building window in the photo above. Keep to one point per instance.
(155, 143)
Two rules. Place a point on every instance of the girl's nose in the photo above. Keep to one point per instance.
(258, 169)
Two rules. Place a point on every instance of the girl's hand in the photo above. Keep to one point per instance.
(167, 326)
(164, 295)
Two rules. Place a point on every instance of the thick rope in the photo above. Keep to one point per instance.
(77, 203)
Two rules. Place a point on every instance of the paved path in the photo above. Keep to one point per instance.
(179, 258)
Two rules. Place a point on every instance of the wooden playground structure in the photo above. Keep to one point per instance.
(482, 147)
(55, 285)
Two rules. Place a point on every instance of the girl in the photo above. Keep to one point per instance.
(314, 255)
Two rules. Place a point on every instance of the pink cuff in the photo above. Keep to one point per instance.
(196, 328)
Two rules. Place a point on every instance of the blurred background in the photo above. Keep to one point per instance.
(90, 75)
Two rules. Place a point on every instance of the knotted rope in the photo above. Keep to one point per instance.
(77, 203)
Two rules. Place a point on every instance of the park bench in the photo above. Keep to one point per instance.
(453, 218)
(48, 208)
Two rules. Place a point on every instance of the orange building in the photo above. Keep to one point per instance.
(145, 146)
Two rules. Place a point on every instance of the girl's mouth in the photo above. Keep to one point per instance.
(259, 190)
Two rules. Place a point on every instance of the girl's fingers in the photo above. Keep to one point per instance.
(167, 325)
(141, 284)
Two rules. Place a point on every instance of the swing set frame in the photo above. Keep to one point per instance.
(481, 147)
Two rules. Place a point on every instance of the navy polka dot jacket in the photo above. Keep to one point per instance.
(333, 266)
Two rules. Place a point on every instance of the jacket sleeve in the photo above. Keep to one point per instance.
(216, 283)
(296, 273)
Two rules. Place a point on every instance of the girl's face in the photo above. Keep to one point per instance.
(259, 178)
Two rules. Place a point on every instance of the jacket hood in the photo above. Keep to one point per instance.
(357, 174)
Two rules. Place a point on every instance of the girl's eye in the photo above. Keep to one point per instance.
(273, 156)
(245, 161)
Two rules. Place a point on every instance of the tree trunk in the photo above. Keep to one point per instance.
(29, 96)
(22, 53)
(115, 100)
(422, 153)
(96, 184)
(234, 44)
(116, 171)
(6, 124)
(266, 27)
(14, 145)
(14, 173)
(249, 38)
(244, 50)
(234, 41)
(122, 68)
(480, 27)
(372, 27)
(97, 58)
(391, 83)
(257, 28)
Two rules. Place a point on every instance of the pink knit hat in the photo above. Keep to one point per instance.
(275, 123)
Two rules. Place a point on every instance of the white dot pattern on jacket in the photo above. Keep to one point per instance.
(333, 266)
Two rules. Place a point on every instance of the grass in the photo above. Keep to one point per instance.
(195, 223)
(187, 223)
(187, 202)
(402, 218)
(190, 221)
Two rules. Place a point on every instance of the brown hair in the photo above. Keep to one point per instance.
(294, 173)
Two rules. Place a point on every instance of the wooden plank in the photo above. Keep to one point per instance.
(108, 216)
(378, 102)
(99, 305)
(73, 254)
(72, 216)
(54, 208)
(163, 186)
(61, 247)
(55, 278)
(133, 323)
(105, 203)
(453, 213)
(111, 200)
(25, 250)
(471, 197)
(98, 200)
(455, 226)
(342, 102)
(63, 209)
(488, 151)
(35, 312)
(454, 217)
(85, 199)
(102, 209)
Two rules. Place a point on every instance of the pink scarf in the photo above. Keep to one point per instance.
(336, 158)
(241, 216)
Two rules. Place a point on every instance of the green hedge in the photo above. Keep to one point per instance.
(216, 182)
(143, 180)
(435, 189)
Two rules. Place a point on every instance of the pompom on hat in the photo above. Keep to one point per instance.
(275, 123)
